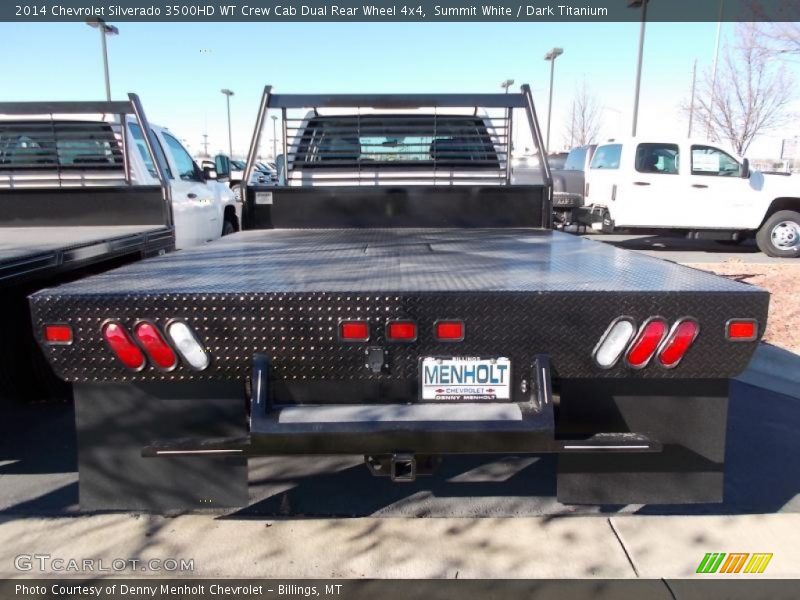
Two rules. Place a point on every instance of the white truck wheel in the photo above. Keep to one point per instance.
(780, 235)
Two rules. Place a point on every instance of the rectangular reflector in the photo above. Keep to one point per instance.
(401, 331)
(354, 331)
(741, 330)
(58, 334)
(449, 331)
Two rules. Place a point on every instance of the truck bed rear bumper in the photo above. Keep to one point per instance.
(421, 428)
(391, 438)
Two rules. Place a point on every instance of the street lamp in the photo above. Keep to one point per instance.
(551, 56)
(274, 138)
(105, 29)
(228, 93)
(643, 5)
(507, 84)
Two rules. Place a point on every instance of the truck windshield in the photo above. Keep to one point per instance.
(58, 144)
(576, 159)
(396, 140)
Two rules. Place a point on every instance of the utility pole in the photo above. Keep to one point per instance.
(105, 30)
(691, 105)
(551, 56)
(572, 129)
(228, 93)
(205, 144)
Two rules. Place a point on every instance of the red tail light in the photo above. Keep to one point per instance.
(677, 343)
(57, 334)
(741, 330)
(123, 346)
(354, 331)
(401, 331)
(449, 331)
(646, 342)
(155, 345)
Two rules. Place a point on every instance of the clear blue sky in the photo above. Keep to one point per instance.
(178, 69)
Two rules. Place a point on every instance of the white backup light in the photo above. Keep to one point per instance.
(188, 346)
(613, 343)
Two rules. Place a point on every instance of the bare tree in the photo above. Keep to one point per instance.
(751, 93)
(778, 27)
(781, 38)
(583, 118)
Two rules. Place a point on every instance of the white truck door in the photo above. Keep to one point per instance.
(651, 195)
(602, 177)
(198, 215)
(720, 197)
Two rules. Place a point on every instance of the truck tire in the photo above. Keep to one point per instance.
(228, 227)
(779, 236)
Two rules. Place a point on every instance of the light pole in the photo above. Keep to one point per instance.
(691, 104)
(228, 93)
(643, 5)
(551, 56)
(507, 84)
(105, 29)
(274, 138)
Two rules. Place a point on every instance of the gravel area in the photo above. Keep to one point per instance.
(783, 282)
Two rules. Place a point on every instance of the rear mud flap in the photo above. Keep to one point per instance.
(691, 422)
(114, 422)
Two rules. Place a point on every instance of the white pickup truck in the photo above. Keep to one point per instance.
(203, 209)
(697, 188)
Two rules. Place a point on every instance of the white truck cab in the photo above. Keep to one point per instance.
(693, 186)
(203, 208)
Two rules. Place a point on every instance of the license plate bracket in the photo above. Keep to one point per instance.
(464, 379)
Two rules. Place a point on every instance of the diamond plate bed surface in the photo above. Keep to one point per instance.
(283, 293)
(386, 260)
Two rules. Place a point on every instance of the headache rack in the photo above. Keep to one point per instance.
(43, 144)
(395, 139)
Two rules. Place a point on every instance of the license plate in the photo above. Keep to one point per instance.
(464, 379)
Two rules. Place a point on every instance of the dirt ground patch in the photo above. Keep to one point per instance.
(783, 282)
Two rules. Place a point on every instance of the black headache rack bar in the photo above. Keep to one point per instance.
(418, 429)
(373, 148)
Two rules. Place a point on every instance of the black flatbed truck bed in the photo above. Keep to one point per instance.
(398, 271)
(266, 306)
(40, 252)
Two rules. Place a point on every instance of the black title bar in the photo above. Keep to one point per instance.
(530, 11)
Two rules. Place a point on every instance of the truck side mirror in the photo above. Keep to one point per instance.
(209, 172)
(745, 169)
(223, 166)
